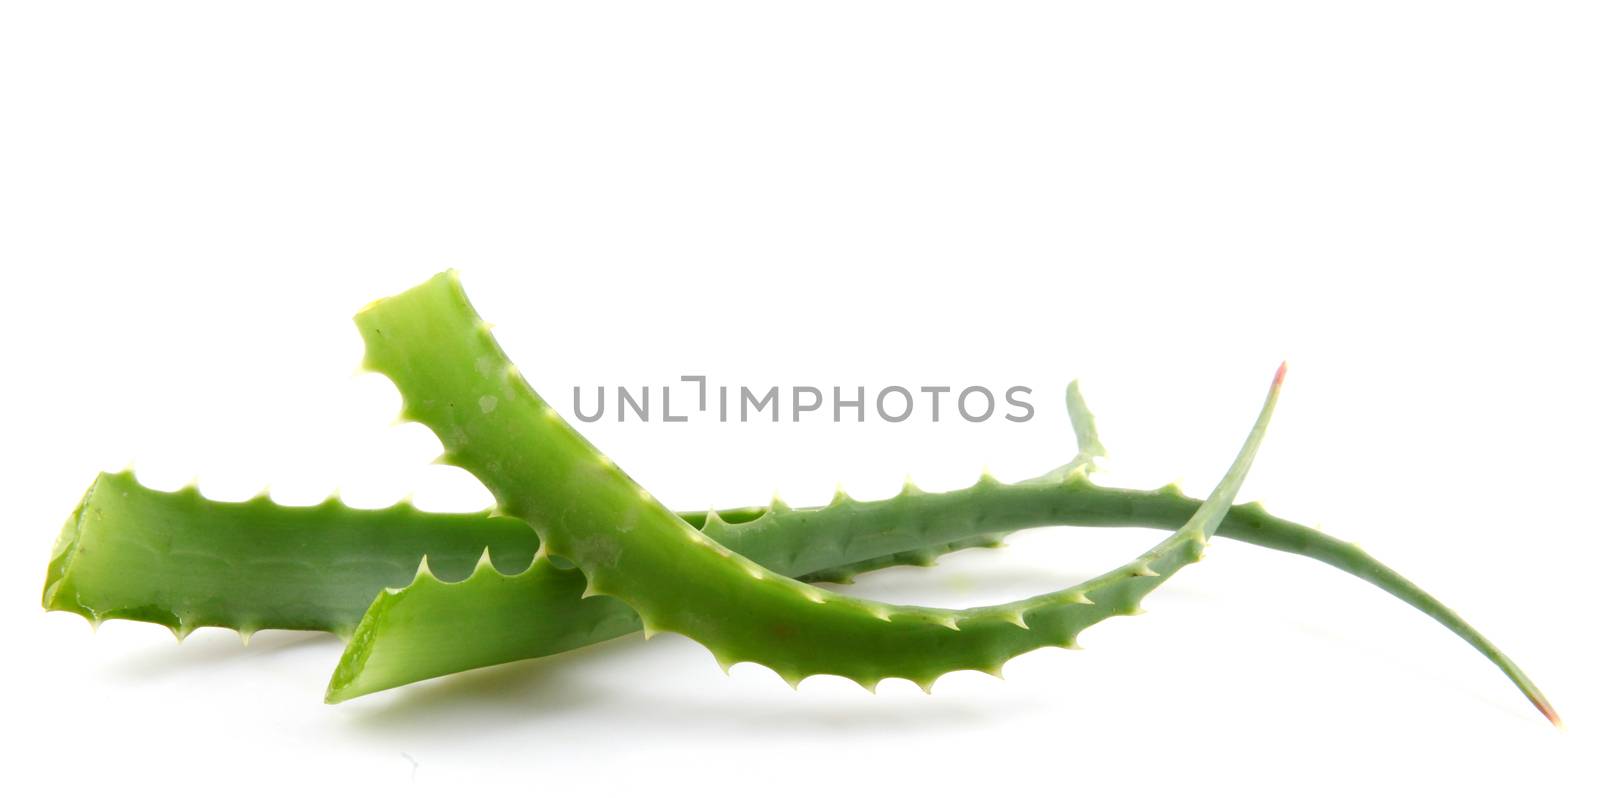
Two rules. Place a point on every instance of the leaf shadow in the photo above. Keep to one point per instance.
(586, 695)
(210, 647)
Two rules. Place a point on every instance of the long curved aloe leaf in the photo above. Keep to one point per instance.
(436, 626)
(181, 560)
(454, 378)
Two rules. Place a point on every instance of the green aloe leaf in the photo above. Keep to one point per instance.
(454, 378)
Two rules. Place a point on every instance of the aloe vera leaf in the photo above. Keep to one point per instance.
(436, 626)
(184, 561)
(454, 378)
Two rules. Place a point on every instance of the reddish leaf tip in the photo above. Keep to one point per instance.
(1550, 714)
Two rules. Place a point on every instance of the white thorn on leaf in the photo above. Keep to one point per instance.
(484, 561)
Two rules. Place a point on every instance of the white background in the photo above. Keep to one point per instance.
(1161, 198)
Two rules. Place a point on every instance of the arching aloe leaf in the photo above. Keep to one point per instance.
(454, 378)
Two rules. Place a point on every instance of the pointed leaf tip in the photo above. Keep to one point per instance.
(1083, 426)
(1549, 713)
